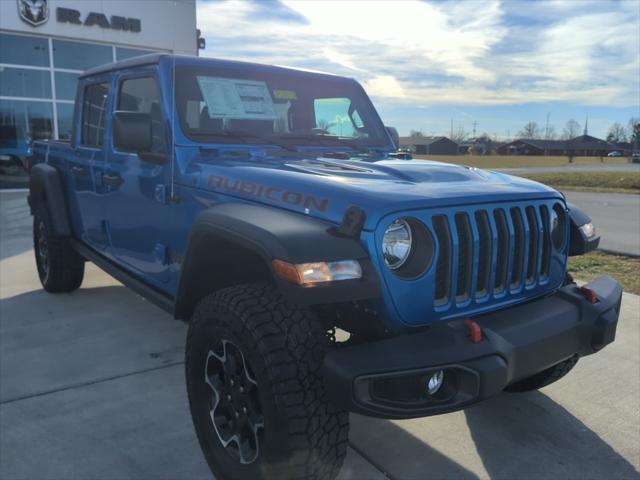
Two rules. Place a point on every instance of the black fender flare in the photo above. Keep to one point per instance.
(271, 233)
(579, 244)
(45, 185)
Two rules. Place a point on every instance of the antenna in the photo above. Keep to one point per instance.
(586, 125)
(546, 128)
(172, 195)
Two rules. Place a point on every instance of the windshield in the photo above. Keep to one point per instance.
(281, 108)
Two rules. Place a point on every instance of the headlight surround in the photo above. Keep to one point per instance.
(397, 244)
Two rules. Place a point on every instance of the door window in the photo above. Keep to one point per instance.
(94, 109)
(141, 95)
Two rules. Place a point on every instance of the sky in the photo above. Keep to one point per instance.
(428, 64)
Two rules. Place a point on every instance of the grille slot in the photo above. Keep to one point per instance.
(532, 260)
(484, 251)
(518, 248)
(503, 251)
(443, 265)
(546, 242)
(465, 257)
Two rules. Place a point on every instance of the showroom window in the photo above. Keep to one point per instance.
(22, 82)
(80, 56)
(22, 50)
(124, 53)
(65, 120)
(23, 121)
(66, 84)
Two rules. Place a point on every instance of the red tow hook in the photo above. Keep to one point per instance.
(475, 332)
(589, 294)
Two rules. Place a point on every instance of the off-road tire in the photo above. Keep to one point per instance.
(304, 436)
(545, 377)
(61, 269)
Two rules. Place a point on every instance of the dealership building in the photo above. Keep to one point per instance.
(46, 44)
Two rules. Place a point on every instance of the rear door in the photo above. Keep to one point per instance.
(86, 162)
(137, 213)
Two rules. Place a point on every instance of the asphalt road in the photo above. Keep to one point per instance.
(92, 387)
(602, 167)
(616, 217)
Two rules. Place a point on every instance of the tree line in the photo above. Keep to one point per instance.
(617, 132)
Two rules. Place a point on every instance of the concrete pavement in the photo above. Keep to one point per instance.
(92, 387)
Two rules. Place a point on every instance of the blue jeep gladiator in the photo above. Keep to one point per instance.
(261, 205)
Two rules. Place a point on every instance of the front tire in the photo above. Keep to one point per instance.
(60, 267)
(257, 398)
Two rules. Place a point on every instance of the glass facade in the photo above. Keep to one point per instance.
(22, 50)
(38, 78)
(80, 56)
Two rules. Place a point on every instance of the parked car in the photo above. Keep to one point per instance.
(614, 154)
(226, 194)
(635, 157)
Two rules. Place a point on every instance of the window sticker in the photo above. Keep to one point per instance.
(236, 99)
(285, 95)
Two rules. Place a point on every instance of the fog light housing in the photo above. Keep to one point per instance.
(435, 382)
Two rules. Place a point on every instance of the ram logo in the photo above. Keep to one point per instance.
(34, 12)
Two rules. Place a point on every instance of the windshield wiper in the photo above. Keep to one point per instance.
(243, 134)
(335, 140)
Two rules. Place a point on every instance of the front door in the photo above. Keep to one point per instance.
(137, 213)
(86, 163)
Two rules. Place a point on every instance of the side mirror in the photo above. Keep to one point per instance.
(132, 131)
(393, 133)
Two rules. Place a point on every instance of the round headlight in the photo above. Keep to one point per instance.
(557, 226)
(396, 244)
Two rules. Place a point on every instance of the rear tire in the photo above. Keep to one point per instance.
(60, 267)
(545, 377)
(286, 426)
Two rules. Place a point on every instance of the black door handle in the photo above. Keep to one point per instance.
(79, 171)
(112, 180)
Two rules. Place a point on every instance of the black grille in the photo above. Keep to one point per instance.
(497, 250)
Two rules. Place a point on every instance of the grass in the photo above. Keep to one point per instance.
(608, 182)
(518, 161)
(625, 270)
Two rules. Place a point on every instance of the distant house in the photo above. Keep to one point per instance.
(429, 145)
(582, 146)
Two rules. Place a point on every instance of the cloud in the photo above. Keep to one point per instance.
(457, 52)
(384, 86)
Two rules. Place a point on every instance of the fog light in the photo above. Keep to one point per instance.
(435, 382)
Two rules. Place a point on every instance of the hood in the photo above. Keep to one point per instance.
(325, 187)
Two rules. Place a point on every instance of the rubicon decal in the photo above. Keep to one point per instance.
(274, 194)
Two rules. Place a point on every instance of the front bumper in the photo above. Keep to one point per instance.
(387, 378)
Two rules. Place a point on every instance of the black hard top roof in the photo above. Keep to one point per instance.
(156, 58)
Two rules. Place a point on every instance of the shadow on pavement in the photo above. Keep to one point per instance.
(531, 436)
(400, 454)
(514, 436)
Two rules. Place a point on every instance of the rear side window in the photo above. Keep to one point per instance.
(94, 114)
(141, 95)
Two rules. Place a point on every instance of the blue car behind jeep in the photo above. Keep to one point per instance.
(263, 206)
